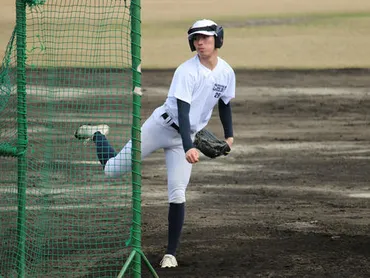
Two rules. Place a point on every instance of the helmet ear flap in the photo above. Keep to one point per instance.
(191, 44)
(219, 39)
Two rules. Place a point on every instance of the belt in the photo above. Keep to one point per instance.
(165, 116)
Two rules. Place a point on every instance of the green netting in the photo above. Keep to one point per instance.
(77, 222)
(8, 162)
(31, 3)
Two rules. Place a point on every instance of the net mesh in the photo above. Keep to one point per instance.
(78, 72)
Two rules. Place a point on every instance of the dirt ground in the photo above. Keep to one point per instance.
(291, 200)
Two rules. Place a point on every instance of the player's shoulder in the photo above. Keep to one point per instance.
(188, 64)
(225, 65)
(188, 67)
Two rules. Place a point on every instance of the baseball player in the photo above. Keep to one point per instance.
(198, 85)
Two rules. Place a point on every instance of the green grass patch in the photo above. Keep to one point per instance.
(309, 40)
(259, 40)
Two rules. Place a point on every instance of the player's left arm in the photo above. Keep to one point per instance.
(224, 109)
(225, 114)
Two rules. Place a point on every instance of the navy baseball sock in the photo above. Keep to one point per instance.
(104, 150)
(176, 216)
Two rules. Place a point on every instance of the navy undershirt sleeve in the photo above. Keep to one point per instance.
(184, 124)
(226, 118)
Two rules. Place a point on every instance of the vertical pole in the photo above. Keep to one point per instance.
(22, 133)
(135, 8)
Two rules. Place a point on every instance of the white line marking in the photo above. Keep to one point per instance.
(360, 195)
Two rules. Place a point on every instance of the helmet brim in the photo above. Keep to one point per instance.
(207, 33)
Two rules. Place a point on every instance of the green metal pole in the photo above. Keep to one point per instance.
(22, 133)
(136, 133)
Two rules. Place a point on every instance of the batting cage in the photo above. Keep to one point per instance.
(69, 63)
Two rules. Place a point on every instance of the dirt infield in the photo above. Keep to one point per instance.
(291, 200)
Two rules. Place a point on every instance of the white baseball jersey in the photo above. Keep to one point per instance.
(201, 88)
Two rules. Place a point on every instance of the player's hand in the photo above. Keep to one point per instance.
(192, 155)
(230, 141)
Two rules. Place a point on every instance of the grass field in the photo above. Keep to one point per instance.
(258, 34)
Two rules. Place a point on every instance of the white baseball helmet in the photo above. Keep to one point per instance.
(206, 27)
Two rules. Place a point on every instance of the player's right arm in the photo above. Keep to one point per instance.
(191, 153)
(181, 88)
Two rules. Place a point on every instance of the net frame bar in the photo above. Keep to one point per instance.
(136, 256)
(22, 134)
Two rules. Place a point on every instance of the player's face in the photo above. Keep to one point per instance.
(205, 45)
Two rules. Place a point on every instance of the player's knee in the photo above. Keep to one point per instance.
(113, 169)
(176, 196)
(109, 172)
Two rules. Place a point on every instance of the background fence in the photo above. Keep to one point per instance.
(68, 63)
